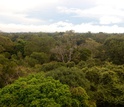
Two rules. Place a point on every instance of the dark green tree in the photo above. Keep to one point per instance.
(41, 57)
(114, 48)
(73, 77)
(39, 44)
(81, 55)
(6, 45)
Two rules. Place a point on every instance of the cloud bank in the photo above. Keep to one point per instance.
(61, 15)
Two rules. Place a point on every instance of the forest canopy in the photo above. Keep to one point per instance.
(61, 69)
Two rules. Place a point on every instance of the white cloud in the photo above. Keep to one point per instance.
(105, 12)
(15, 15)
(77, 3)
(16, 11)
(109, 20)
(61, 26)
(118, 4)
(85, 27)
(23, 5)
(20, 18)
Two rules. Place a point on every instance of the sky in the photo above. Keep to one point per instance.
(62, 15)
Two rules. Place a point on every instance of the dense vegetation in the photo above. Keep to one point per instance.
(61, 69)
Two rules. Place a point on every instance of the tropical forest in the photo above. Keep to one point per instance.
(61, 69)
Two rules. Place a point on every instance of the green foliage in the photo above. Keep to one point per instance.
(39, 44)
(19, 46)
(30, 61)
(79, 60)
(81, 54)
(114, 49)
(7, 70)
(81, 64)
(106, 85)
(3, 60)
(91, 45)
(35, 90)
(80, 97)
(74, 77)
(93, 75)
(51, 66)
(41, 57)
(89, 63)
(85, 54)
(6, 45)
(70, 64)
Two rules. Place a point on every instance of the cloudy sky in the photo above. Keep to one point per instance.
(61, 15)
